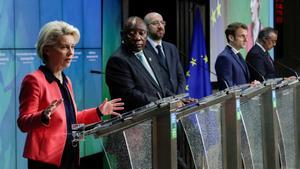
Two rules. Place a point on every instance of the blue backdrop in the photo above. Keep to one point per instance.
(20, 24)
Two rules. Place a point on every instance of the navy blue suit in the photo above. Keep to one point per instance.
(172, 73)
(128, 79)
(261, 62)
(231, 69)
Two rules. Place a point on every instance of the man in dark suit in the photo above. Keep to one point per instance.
(166, 53)
(260, 63)
(132, 73)
(230, 66)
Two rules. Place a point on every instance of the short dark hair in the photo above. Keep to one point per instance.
(231, 29)
(265, 33)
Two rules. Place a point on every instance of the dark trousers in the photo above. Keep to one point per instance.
(69, 160)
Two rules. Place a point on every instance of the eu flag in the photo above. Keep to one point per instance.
(198, 77)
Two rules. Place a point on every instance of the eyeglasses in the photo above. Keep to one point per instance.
(273, 41)
(156, 23)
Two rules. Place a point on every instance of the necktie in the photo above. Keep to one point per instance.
(269, 58)
(243, 63)
(162, 58)
(145, 63)
(241, 59)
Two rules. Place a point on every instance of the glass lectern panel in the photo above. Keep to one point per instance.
(131, 148)
(285, 112)
(203, 131)
(251, 132)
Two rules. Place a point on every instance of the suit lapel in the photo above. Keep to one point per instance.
(269, 60)
(167, 55)
(266, 58)
(142, 69)
(150, 47)
(242, 65)
(149, 56)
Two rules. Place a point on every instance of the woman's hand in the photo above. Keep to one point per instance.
(109, 107)
(47, 113)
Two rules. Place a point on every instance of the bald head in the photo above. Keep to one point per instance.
(150, 16)
(156, 25)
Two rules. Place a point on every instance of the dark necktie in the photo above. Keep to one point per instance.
(269, 57)
(244, 64)
(241, 59)
(162, 58)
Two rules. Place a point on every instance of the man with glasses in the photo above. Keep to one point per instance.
(166, 53)
(258, 58)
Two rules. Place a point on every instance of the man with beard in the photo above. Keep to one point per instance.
(132, 73)
(168, 57)
(166, 53)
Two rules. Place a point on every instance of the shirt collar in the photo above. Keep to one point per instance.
(153, 43)
(139, 53)
(50, 77)
(258, 44)
(233, 49)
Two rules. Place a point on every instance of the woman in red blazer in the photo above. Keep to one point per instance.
(47, 105)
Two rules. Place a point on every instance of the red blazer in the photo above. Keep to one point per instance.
(46, 143)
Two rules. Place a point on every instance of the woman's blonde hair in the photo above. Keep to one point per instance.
(51, 32)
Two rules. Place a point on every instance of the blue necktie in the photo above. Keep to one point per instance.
(240, 56)
(142, 58)
(242, 60)
(244, 64)
(162, 58)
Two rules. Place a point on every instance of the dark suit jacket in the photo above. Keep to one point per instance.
(229, 68)
(260, 61)
(174, 71)
(128, 79)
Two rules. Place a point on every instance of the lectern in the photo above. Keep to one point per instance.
(142, 138)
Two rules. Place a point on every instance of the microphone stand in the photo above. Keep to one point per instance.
(202, 67)
(97, 72)
(263, 78)
(288, 68)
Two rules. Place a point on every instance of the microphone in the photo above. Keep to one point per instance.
(97, 72)
(288, 68)
(204, 68)
(223, 80)
(248, 63)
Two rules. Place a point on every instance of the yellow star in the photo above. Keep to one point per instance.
(218, 9)
(213, 17)
(188, 74)
(205, 59)
(187, 87)
(193, 62)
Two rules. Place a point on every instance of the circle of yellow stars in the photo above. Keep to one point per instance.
(193, 63)
(215, 13)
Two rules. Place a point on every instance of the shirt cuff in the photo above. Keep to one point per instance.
(44, 120)
(99, 112)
